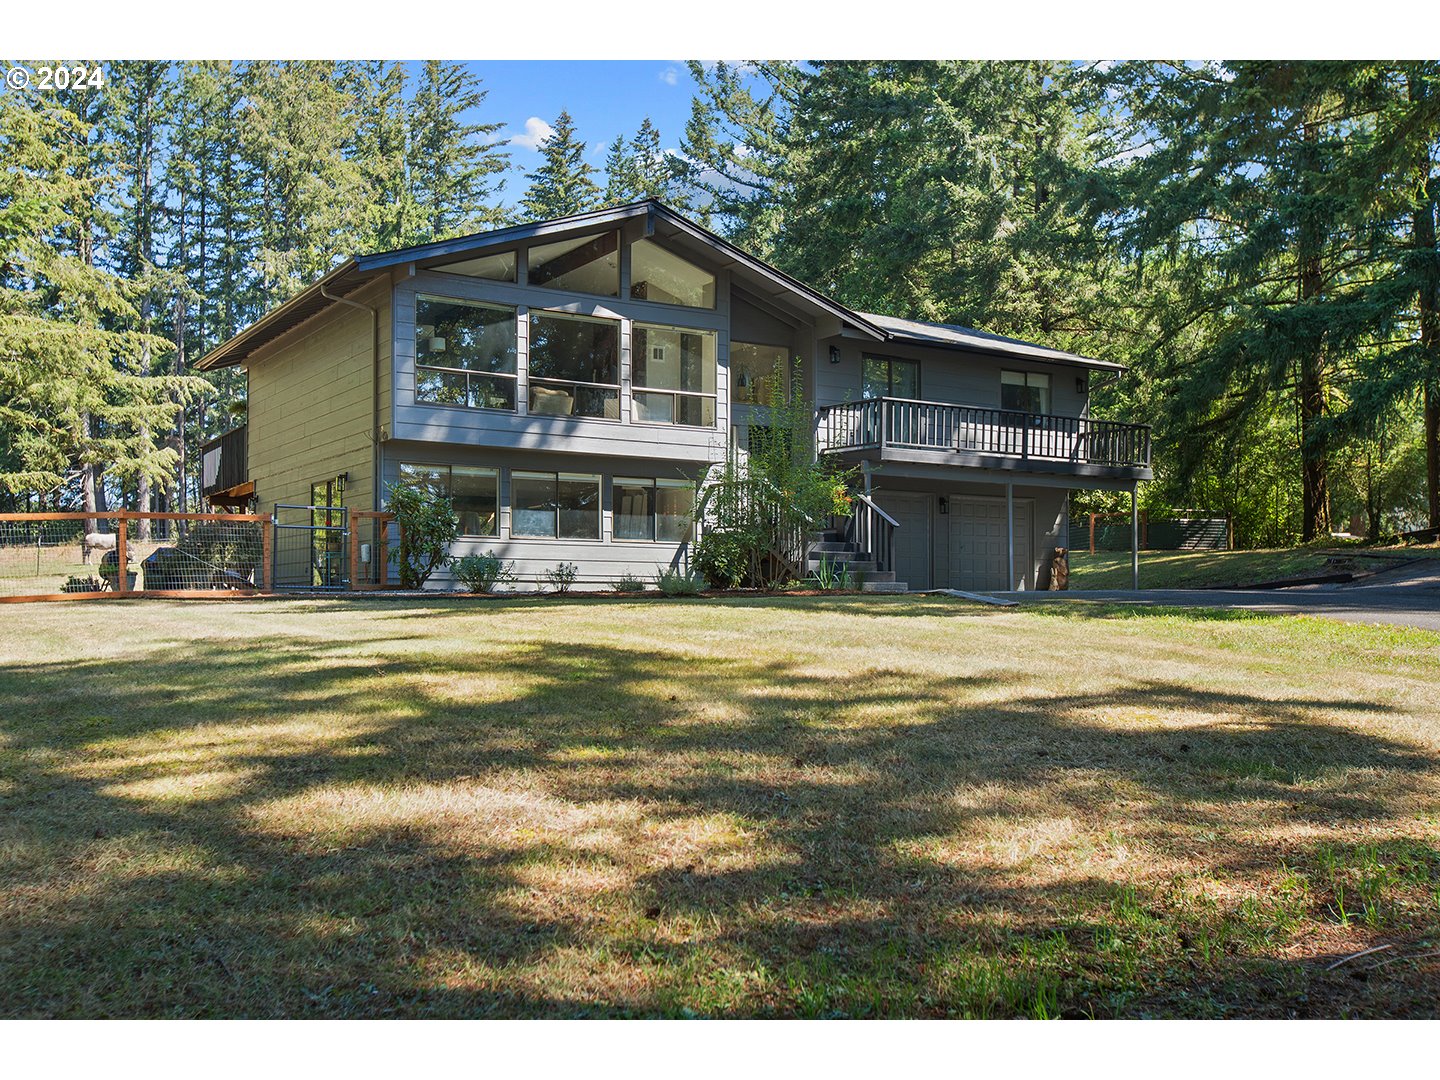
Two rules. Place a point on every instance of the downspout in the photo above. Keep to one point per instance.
(374, 388)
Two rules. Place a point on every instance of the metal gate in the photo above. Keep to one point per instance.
(312, 545)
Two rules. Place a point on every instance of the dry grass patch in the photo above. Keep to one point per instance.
(805, 806)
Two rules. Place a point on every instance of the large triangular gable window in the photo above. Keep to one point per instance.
(662, 276)
(590, 264)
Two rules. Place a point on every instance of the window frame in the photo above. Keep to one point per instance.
(889, 362)
(785, 368)
(449, 470)
(1026, 376)
(549, 381)
(513, 376)
(637, 325)
(555, 478)
(530, 265)
(654, 484)
(714, 304)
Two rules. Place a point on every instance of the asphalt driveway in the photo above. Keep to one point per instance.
(1408, 595)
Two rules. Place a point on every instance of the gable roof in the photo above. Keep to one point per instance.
(359, 270)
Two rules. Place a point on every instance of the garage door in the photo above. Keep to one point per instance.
(978, 544)
(912, 538)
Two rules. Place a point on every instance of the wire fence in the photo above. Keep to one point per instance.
(57, 556)
(75, 555)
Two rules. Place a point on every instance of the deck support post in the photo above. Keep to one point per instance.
(1134, 538)
(1010, 534)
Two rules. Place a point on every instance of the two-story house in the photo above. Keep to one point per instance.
(569, 382)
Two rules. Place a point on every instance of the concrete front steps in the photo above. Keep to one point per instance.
(832, 545)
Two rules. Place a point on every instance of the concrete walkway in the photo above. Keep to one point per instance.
(1408, 595)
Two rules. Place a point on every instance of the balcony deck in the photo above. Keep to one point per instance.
(931, 432)
(224, 471)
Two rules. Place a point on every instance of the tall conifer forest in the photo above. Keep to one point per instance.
(1254, 240)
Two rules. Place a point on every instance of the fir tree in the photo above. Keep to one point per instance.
(455, 166)
(563, 183)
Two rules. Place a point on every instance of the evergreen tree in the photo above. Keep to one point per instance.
(378, 143)
(455, 166)
(563, 183)
(73, 389)
(622, 178)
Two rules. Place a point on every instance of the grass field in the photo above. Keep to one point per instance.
(865, 806)
(1210, 569)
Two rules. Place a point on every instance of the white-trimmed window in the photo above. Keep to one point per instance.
(560, 506)
(1025, 391)
(672, 375)
(652, 509)
(473, 490)
(464, 353)
(574, 366)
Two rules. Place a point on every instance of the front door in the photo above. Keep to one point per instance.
(912, 538)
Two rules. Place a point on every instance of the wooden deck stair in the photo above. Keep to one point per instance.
(831, 544)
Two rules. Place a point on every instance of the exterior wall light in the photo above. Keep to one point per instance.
(834, 354)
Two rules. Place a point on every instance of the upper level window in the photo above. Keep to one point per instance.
(884, 376)
(1025, 391)
(474, 492)
(590, 264)
(672, 375)
(499, 267)
(754, 371)
(464, 353)
(574, 366)
(656, 274)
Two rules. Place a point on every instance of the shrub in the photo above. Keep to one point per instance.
(562, 577)
(428, 526)
(481, 573)
(674, 582)
(82, 584)
(628, 583)
(723, 555)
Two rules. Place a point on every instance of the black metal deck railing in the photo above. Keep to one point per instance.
(899, 423)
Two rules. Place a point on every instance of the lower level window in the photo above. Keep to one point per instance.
(564, 506)
(475, 493)
(653, 509)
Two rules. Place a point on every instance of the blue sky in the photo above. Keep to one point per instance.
(605, 97)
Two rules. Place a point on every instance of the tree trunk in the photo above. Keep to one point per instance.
(1314, 443)
(1429, 306)
(87, 490)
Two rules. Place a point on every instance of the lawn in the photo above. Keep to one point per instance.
(865, 806)
(1212, 569)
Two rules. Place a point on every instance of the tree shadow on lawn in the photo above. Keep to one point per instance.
(289, 828)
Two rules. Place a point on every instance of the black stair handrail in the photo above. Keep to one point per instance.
(871, 530)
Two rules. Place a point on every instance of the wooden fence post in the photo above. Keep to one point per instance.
(267, 555)
(122, 553)
(1092, 532)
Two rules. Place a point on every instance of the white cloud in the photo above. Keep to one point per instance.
(536, 132)
(670, 75)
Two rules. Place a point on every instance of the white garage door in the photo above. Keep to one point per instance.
(912, 538)
(978, 544)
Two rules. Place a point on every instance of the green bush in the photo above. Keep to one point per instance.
(82, 584)
(428, 526)
(723, 555)
(562, 577)
(481, 573)
(674, 582)
(628, 583)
